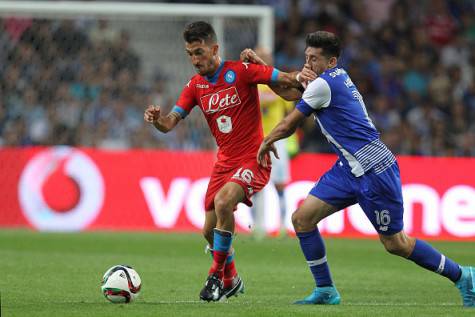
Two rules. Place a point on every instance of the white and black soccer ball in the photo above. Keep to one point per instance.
(121, 284)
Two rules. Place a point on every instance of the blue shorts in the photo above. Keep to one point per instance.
(379, 195)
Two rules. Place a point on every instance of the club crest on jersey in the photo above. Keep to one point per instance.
(230, 76)
(223, 99)
(225, 124)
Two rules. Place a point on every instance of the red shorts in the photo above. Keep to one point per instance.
(251, 176)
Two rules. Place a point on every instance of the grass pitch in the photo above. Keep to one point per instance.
(51, 274)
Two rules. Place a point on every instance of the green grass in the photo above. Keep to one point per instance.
(51, 274)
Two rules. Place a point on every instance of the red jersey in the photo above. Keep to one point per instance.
(230, 103)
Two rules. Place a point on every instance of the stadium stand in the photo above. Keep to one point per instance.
(82, 83)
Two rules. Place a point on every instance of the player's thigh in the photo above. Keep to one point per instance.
(310, 213)
(219, 177)
(380, 197)
(228, 197)
(335, 188)
(251, 177)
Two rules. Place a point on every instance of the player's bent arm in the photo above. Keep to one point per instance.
(287, 93)
(167, 123)
(295, 79)
(163, 123)
(286, 127)
(288, 80)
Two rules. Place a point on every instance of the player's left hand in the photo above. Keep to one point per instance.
(263, 155)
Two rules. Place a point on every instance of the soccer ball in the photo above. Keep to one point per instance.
(121, 284)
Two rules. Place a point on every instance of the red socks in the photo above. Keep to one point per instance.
(219, 262)
(229, 274)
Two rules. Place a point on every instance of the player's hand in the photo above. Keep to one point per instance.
(249, 56)
(263, 155)
(306, 75)
(151, 114)
(244, 56)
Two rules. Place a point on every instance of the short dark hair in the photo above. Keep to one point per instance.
(199, 31)
(327, 41)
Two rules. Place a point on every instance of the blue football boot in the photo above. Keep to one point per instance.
(322, 296)
(466, 286)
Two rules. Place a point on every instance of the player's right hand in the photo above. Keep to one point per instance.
(263, 154)
(244, 56)
(151, 114)
(249, 56)
(306, 75)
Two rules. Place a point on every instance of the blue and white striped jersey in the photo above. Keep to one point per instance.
(341, 114)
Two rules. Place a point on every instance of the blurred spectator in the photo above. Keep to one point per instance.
(378, 11)
(68, 39)
(289, 58)
(102, 34)
(439, 22)
(123, 55)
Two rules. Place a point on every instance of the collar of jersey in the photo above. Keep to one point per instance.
(330, 70)
(213, 79)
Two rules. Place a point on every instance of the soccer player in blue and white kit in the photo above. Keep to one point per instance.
(366, 173)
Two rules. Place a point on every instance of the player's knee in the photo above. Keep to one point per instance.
(300, 222)
(222, 205)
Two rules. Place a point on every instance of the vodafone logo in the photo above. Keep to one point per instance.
(61, 189)
(452, 211)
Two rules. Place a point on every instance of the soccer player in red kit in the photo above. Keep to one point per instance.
(226, 92)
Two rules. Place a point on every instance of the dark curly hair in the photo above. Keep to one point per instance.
(327, 41)
(199, 31)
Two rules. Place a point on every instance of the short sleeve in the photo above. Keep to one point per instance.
(186, 101)
(316, 96)
(259, 74)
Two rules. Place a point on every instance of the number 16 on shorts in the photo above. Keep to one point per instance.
(383, 219)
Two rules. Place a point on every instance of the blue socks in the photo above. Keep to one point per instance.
(314, 250)
(429, 258)
(222, 240)
(221, 244)
(423, 255)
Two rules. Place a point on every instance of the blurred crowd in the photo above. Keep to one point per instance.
(61, 85)
(413, 62)
(64, 82)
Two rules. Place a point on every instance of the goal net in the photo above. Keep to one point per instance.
(81, 73)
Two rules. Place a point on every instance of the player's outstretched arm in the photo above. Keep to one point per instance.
(163, 123)
(282, 130)
(286, 91)
(303, 77)
(297, 79)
